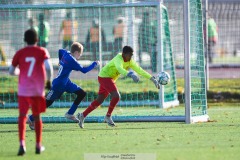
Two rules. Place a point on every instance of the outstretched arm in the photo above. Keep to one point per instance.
(144, 73)
(87, 69)
(139, 70)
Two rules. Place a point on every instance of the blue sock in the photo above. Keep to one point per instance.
(72, 109)
(31, 118)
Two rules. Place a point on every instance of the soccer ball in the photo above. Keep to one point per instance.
(163, 78)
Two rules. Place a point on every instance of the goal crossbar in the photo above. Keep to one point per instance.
(79, 5)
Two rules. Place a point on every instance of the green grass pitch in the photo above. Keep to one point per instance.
(214, 140)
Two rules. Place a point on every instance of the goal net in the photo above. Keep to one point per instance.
(154, 29)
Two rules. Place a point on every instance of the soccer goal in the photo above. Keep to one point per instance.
(163, 35)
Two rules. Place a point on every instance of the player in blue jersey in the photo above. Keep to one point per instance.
(62, 83)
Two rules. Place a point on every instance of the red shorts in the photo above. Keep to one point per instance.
(107, 85)
(38, 104)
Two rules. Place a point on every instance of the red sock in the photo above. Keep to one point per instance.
(90, 108)
(38, 131)
(22, 129)
(113, 103)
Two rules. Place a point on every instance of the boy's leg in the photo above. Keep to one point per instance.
(22, 128)
(23, 109)
(70, 42)
(64, 44)
(97, 102)
(80, 96)
(114, 100)
(73, 88)
(38, 130)
(37, 109)
(21, 131)
(93, 105)
(70, 114)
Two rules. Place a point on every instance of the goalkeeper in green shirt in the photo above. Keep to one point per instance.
(120, 64)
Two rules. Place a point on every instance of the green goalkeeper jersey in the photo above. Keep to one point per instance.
(117, 66)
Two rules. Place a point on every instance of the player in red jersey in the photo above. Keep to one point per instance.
(34, 66)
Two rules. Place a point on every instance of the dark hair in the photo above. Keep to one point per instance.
(76, 46)
(127, 50)
(30, 36)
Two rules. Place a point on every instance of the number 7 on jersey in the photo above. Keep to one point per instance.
(32, 61)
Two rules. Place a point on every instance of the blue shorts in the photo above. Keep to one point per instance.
(57, 90)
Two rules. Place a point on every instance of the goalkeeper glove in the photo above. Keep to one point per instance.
(132, 75)
(154, 80)
(48, 85)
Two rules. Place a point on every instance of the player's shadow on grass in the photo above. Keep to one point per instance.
(8, 155)
(102, 126)
(95, 129)
(13, 131)
(9, 131)
(119, 128)
(130, 126)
